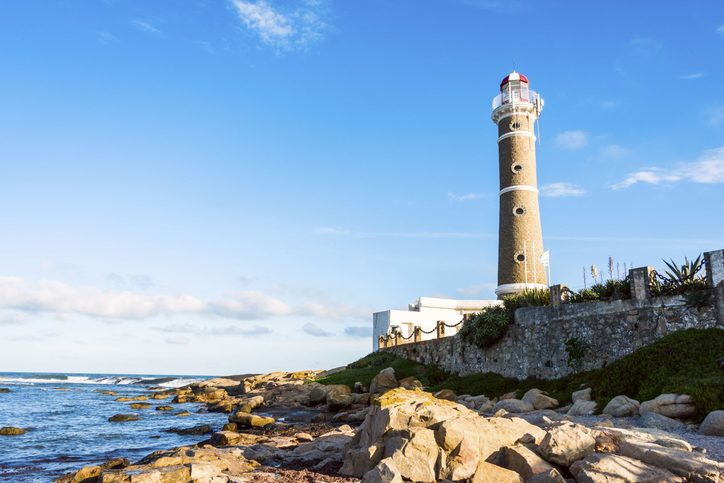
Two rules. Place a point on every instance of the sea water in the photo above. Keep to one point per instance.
(66, 416)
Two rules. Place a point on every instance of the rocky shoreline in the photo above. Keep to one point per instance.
(284, 426)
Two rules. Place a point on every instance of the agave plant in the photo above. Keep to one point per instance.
(685, 273)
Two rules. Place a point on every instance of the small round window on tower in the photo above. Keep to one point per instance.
(517, 168)
(520, 258)
(519, 211)
(514, 126)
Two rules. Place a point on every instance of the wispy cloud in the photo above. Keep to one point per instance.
(615, 151)
(692, 76)
(465, 197)
(561, 189)
(62, 299)
(360, 332)
(315, 330)
(709, 168)
(107, 38)
(229, 330)
(284, 27)
(720, 30)
(571, 140)
(177, 340)
(145, 27)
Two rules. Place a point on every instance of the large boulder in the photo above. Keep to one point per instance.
(414, 452)
(713, 424)
(658, 421)
(462, 437)
(488, 473)
(339, 400)
(582, 395)
(611, 468)
(247, 420)
(384, 472)
(565, 443)
(513, 406)
(410, 383)
(621, 406)
(447, 394)
(539, 400)
(525, 462)
(384, 381)
(689, 465)
(582, 408)
(678, 406)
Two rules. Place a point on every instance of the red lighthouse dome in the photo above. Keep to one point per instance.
(514, 77)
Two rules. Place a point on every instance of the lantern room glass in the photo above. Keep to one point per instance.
(516, 90)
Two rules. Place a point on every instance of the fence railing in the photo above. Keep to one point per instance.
(396, 338)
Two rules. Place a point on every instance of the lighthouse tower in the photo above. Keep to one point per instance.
(520, 241)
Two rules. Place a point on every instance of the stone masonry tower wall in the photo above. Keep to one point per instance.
(520, 242)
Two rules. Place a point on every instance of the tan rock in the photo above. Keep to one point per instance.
(513, 406)
(565, 443)
(524, 461)
(384, 381)
(539, 400)
(250, 420)
(489, 473)
(384, 472)
(414, 453)
(508, 395)
(678, 406)
(582, 395)
(164, 408)
(447, 394)
(304, 437)
(689, 465)
(140, 406)
(713, 424)
(582, 408)
(611, 468)
(621, 406)
(410, 383)
(12, 431)
(121, 418)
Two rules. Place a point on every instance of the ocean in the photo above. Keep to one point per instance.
(67, 420)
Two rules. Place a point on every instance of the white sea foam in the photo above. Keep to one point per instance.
(107, 380)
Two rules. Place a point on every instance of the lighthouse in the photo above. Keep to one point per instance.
(520, 243)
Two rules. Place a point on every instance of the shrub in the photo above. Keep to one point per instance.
(679, 279)
(527, 298)
(487, 327)
(576, 350)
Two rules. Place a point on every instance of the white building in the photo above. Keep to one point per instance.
(425, 313)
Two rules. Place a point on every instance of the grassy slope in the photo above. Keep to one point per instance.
(683, 362)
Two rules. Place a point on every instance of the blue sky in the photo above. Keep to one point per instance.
(230, 186)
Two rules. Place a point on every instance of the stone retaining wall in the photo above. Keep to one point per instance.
(535, 345)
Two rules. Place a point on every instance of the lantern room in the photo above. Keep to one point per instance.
(514, 86)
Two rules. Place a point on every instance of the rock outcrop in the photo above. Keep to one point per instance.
(678, 406)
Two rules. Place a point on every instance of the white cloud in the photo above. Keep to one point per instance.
(361, 332)
(145, 27)
(571, 140)
(561, 189)
(615, 151)
(315, 331)
(253, 331)
(63, 300)
(709, 168)
(465, 197)
(284, 28)
(720, 30)
(177, 340)
(693, 75)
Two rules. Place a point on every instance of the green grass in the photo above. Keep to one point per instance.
(682, 362)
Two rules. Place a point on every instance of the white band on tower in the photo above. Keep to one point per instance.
(519, 187)
(518, 287)
(517, 133)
